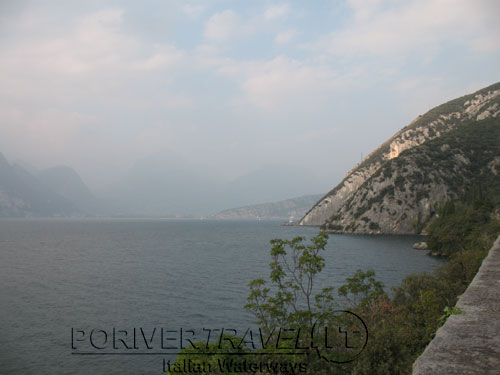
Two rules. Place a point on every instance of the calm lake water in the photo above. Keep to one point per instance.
(124, 274)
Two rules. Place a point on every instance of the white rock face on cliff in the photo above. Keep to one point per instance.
(332, 202)
(398, 197)
(481, 105)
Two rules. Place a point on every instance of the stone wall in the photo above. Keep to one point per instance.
(469, 342)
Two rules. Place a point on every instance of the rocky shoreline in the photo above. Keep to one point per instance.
(423, 246)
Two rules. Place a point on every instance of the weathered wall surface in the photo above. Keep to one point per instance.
(469, 343)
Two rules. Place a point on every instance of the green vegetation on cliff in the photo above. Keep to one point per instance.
(460, 227)
(422, 302)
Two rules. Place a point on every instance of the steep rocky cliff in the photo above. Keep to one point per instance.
(396, 187)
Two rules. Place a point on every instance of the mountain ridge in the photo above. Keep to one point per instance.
(284, 209)
(24, 195)
(483, 104)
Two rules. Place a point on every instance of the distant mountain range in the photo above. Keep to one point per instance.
(443, 154)
(54, 192)
(166, 184)
(25, 195)
(64, 181)
(447, 153)
(287, 209)
(158, 186)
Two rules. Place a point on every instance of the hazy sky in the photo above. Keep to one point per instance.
(231, 84)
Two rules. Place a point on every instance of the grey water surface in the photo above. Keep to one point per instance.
(59, 276)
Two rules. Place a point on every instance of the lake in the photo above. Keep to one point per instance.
(59, 275)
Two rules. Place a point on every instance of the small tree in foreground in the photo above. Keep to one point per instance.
(300, 324)
(292, 299)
